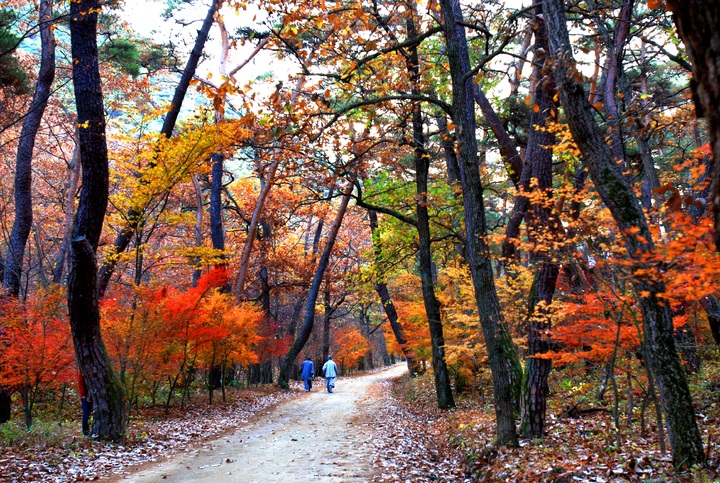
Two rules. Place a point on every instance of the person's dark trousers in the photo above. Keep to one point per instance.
(86, 410)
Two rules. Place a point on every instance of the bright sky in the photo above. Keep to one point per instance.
(145, 17)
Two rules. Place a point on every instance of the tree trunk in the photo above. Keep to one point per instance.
(613, 68)
(72, 185)
(308, 322)
(268, 181)
(197, 272)
(620, 199)
(711, 304)
(540, 218)
(122, 241)
(698, 25)
(508, 148)
(104, 389)
(217, 234)
(23, 166)
(422, 165)
(504, 364)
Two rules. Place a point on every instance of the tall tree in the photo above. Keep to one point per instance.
(537, 177)
(421, 159)
(501, 350)
(23, 166)
(23, 170)
(618, 196)
(134, 219)
(104, 388)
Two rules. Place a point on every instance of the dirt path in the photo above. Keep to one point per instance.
(318, 437)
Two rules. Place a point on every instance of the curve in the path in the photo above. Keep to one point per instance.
(318, 437)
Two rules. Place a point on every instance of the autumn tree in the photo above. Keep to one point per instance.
(104, 389)
(313, 293)
(38, 354)
(500, 347)
(697, 25)
(623, 204)
(134, 218)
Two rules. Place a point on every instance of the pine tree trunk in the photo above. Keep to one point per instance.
(504, 363)
(541, 220)
(104, 389)
(23, 166)
(422, 166)
(432, 304)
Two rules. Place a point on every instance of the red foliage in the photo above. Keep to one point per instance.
(37, 347)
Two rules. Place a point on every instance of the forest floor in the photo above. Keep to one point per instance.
(360, 432)
(320, 436)
(376, 427)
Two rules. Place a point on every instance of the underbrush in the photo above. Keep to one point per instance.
(583, 443)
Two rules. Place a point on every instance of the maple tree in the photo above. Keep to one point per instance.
(38, 348)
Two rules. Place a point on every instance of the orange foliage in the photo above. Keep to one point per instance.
(412, 317)
(352, 347)
(592, 324)
(164, 332)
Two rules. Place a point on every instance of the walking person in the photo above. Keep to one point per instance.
(330, 371)
(307, 373)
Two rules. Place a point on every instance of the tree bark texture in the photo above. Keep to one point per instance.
(698, 25)
(620, 199)
(104, 389)
(23, 166)
(540, 219)
(711, 304)
(432, 304)
(197, 272)
(309, 319)
(217, 234)
(504, 364)
(133, 220)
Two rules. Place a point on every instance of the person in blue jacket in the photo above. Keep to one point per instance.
(307, 372)
(330, 371)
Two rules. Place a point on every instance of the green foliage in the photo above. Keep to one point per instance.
(45, 430)
(124, 53)
(173, 6)
(11, 72)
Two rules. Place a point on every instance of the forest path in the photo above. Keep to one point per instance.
(317, 437)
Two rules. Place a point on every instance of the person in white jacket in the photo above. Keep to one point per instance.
(330, 371)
